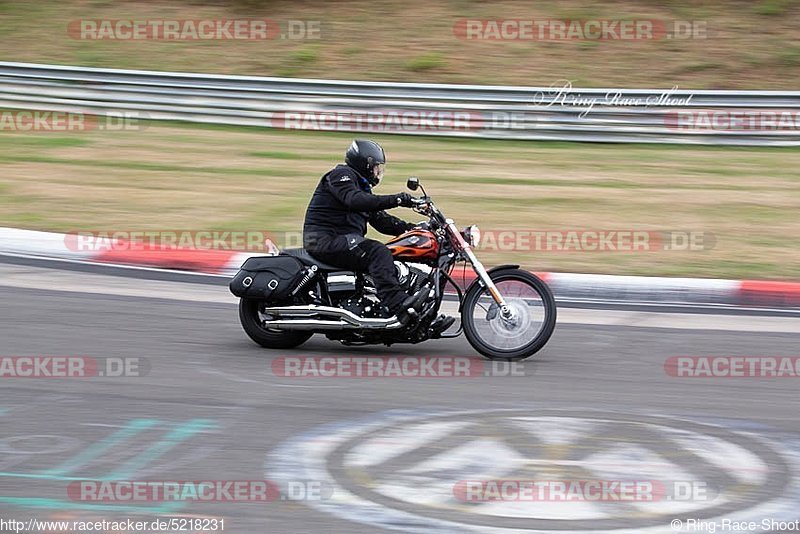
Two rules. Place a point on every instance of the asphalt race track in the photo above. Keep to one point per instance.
(385, 452)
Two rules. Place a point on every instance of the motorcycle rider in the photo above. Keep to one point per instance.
(336, 224)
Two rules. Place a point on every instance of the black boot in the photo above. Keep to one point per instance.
(440, 324)
(410, 306)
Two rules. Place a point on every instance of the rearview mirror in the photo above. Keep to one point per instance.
(413, 183)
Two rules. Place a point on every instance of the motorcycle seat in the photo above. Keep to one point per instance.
(306, 258)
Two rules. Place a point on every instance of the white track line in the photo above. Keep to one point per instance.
(100, 284)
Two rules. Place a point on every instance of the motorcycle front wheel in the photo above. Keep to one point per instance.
(524, 331)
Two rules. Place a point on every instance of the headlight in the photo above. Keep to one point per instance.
(472, 235)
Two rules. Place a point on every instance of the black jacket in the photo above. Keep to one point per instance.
(343, 204)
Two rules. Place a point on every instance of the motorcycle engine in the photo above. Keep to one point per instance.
(361, 305)
(411, 276)
(367, 304)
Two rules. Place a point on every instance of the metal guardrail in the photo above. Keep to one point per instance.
(756, 118)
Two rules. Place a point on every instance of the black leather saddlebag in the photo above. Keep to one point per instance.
(267, 277)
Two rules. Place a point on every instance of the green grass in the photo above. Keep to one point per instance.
(425, 62)
(772, 8)
(305, 56)
(283, 155)
(42, 141)
(152, 167)
(414, 41)
(181, 176)
(789, 56)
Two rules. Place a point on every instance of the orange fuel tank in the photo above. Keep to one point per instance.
(415, 245)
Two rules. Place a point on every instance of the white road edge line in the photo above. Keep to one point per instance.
(99, 284)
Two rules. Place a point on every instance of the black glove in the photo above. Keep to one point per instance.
(405, 200)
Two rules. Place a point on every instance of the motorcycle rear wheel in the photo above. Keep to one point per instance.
(268, 338)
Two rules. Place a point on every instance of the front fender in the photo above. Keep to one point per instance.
(502, 268)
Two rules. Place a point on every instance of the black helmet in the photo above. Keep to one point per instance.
(367, 158)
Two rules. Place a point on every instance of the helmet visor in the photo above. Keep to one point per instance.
(378, 170)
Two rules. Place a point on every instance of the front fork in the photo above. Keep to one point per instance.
(505, 310)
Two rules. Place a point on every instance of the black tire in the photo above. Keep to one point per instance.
(269, 339)
(539, 341)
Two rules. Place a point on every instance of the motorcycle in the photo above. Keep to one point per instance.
(506, 313)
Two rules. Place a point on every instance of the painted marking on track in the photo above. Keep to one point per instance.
(98, 448)
(56, 504)
(62, 472)
(158, 449)
(399, 470)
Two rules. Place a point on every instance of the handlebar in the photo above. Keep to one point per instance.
(424, 205)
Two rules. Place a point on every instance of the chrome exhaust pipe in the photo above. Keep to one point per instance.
(307, 324)
(345, 319)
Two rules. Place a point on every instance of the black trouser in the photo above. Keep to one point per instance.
(353, 252)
